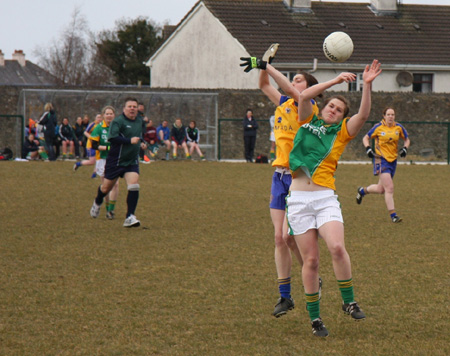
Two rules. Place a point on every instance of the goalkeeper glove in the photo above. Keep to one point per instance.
(369, 152)
(403, 152)
(270, 53)
(252, 62)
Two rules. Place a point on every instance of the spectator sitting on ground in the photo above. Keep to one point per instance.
(67, 138)
(32, 149)
(178, 134)
(193, 139)
(163, 133)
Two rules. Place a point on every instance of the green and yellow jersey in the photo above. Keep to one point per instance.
(100, 134)
(317, 149)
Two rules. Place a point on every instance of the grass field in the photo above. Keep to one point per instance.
(198, 276)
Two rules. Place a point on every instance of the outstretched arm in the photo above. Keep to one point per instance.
(283, 82)
(357, 121)
(304, 101)
(271, 92)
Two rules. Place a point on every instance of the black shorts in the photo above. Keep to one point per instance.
(112, 171)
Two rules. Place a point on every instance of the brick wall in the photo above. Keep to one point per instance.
(232, 104)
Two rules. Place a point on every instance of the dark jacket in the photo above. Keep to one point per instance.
(178, 134)
(193, 135)
(29, 146)
(66, 133)
(79, 131)
(48, 120)
(250, 126)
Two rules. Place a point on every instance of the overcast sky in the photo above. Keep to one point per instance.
(29, 24)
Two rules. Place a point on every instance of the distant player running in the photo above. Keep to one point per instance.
(387, 133)
(100, 143)
(125, 136)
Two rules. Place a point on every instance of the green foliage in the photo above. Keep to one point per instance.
(198, 277)
(126, 49)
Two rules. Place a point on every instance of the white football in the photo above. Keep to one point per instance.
(338, 47)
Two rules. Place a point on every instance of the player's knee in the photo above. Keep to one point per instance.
(338, 251)
(133, 187)
(289, 240)
(279, 240)
(311, 262)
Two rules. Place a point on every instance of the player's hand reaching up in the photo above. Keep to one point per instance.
(252, 62)
(372, 71)
(345, 77)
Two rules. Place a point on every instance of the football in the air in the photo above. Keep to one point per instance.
(338, 47)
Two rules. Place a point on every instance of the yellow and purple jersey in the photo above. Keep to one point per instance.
(317, 149)
(285, 128)
(386, 139)
(89, 130)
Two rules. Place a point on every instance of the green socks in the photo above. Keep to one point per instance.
(313, 305)
(346, 288)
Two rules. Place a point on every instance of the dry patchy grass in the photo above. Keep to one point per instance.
(198, 277)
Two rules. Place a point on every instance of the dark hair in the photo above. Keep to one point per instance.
(129, 98)
(193, 121)
(310, 79)
(341, 98)
(386, 109)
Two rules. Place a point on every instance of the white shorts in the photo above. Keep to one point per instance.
(272, 136)
(310, 210)
(100, 167)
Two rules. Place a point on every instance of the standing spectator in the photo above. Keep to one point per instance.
(163, 133)
(178, 134)
(151, 139)
(67, 138)
(78, 130)
(141, 113)
(49, 121)
(125, 135)
(193, 139)
(386, 134)
(250, 127)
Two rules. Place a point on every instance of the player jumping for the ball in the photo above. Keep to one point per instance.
(313, 208)
(285, 128)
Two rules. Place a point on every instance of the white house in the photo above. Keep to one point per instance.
(411, 41)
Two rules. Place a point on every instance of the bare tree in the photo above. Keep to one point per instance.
(72, 59)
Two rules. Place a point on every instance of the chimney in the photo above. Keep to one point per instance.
(19, 56)
(383, 7)
(2, 59)
(167, 31)
(298, 5)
